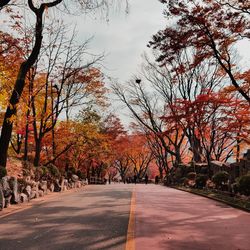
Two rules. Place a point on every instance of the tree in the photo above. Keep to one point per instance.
(67, 83)
(11, 55)
(38, 10)
(90, 153)
(140, 154)
(181, 80)
(241, 6)
(20, 81)
(120, 156)
(146, 110)
(209, 28)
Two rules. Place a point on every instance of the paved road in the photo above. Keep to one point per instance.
(174, 220)
(94, 218)
(97, 217)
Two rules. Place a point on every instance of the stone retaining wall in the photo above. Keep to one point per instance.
(14, 191)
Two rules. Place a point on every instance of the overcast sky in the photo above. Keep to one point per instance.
(124, 37)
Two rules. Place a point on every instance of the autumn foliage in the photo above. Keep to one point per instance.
(189, 105)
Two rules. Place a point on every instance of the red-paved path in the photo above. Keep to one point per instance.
(174, 220)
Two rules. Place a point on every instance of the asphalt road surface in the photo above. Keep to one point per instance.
(174, 220)
(94, 218)
(118, 216)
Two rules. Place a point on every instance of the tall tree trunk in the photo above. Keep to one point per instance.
(3, 3)
(196, 149)
(18, 88)
(25, 156)
(53, 143)
(161, 173)
(31, 85)
(238, 149)
(52, 121)
(38, 152)
(178, 156)
(19, 141)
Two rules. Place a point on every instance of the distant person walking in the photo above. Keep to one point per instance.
(146, 179)
(135, 178)
(156, 179)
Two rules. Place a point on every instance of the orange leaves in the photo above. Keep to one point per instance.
(91, 82)
(10, 59)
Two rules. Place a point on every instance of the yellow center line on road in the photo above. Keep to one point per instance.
(130, 244)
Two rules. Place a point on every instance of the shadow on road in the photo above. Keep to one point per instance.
(176, 220)
(96, 218)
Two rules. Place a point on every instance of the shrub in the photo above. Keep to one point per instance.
(22, 183)
(3, 172)
(204, 170)
(244, 184)
(182, 180)
(191, 175)
(38, 173)
(220, 178)
(26, 172)
(185, 181)
(28, 169)
(190, 168)
(72, 170)
(62, 171)
(201, 180)
(178, 175)
(45, 170)
(235, 188)
(80, 174)
(53, 170)
(27, 166)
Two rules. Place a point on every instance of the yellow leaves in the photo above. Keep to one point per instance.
(7, 80)
(12, 119)
(3, 97)
(9, 64)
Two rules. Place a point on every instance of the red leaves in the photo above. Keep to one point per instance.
(208, 28)
(228, 114)
(198, 25)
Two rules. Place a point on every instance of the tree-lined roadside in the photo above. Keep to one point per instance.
(191, 96)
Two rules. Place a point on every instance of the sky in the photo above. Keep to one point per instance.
(124, 37)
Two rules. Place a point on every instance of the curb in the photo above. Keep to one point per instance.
(215, 199)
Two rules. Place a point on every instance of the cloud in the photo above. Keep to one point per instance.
(124, 37)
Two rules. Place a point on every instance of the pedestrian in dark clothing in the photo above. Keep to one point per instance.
(156, 179)
(146, 179)
(135, 178)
